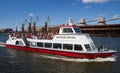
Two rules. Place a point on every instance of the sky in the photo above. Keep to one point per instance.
(14, 12)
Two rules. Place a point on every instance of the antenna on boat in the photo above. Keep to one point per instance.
(16, 27)
(71, 21)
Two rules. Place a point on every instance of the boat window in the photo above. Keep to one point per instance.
(87, 46)
(13, 39)
(78, 47)
(93, 46)
(33, 43)
(68, 46)
(39, 44)
(48, 45)
(19, 43)
(67, 30)
(77, 30)
(57, 45)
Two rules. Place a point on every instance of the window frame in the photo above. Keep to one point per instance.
(88, 47)
(20, 43)
(68, 46)
(47, 45)
(78, 46)
(59, 45)
(77, 30)
(67, 30)
(34, 44)
(40, 44)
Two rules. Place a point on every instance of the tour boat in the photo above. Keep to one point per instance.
(69, 42)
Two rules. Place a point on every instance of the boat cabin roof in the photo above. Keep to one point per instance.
(70, 28)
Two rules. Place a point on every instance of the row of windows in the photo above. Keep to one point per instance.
(57, 46)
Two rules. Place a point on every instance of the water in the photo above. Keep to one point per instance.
(17, 61)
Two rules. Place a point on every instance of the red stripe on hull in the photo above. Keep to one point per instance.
(62, 53)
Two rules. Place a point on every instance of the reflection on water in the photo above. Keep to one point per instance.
(17, 61)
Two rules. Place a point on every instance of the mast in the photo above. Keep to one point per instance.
(71, 21)
(16, 28)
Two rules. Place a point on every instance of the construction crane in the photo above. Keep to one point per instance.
(30, 25)
(23, 25)
(44, 29)
(34, 25)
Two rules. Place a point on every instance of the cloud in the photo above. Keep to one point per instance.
(95, 1)
(75, 2)
(31, 14)
(116, 16)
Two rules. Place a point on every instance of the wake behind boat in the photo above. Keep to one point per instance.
(68, 42)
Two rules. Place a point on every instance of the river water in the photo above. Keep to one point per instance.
(17, 61)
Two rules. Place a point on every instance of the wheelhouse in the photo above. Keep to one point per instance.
(69, 29)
